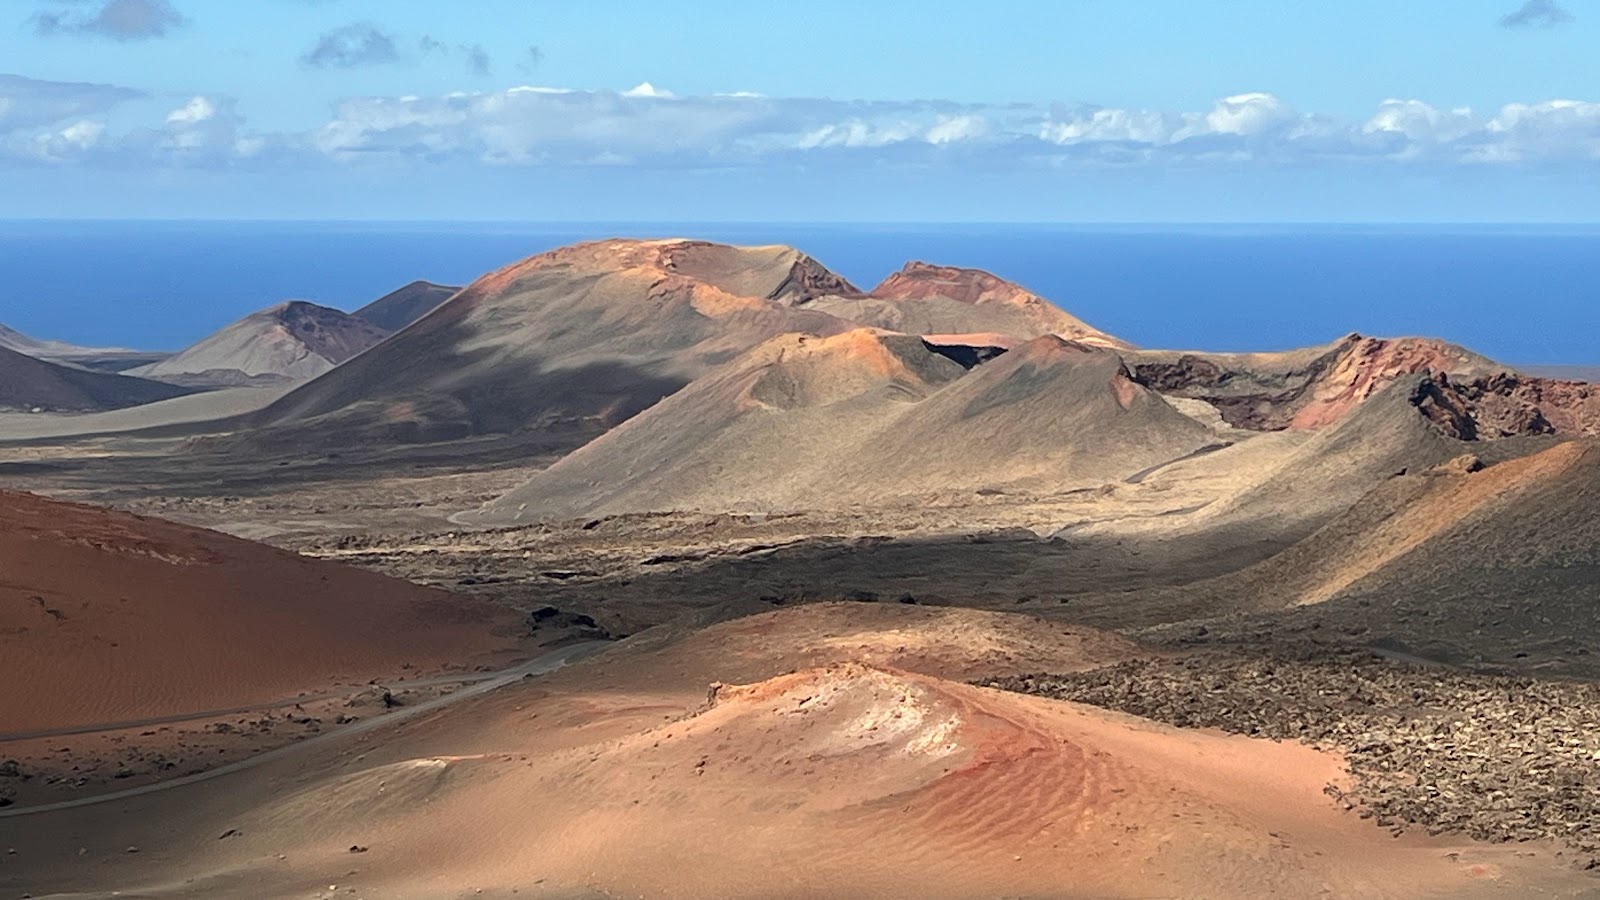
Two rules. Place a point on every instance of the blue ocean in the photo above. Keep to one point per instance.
(1520, 294)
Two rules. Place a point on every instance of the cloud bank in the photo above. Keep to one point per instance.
(53, 123)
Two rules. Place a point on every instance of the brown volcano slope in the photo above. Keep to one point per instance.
(569, 343)
(1301, 389)
(928, 299)
(1495, 565)
(106, 616)
(27, 383)
(1417, 422)
(618, 776)
(397, 309)
(292, 341)
(808, 423)
(1384, 436)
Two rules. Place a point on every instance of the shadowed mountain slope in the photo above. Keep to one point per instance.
(569, 342)
(1462, 562)
(1416, 422)
(27, 383)
(396, 310)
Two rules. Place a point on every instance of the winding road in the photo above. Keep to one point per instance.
(539, 665)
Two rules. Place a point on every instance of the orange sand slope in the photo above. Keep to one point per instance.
(619, 777)
(106, 616)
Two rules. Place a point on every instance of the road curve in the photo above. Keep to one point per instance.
(540, 665)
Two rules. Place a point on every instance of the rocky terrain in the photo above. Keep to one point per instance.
(1497, 758)
(1302, 389)
(1509, 405)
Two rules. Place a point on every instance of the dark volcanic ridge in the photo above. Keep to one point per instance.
(29, 384)
(397, 309)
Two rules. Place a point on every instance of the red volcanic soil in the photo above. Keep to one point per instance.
(833, 755)
(854, 780)
(109, 617)
(921, 281)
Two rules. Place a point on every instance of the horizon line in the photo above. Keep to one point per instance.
(1052, 223)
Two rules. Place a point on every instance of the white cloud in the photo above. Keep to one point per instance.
(646, 126)
(954, 129)
(1112, 125)
(1568, 129)
(195, 111)
(83, 133)
(646, 89)
(1247, 114)
(1420, 123)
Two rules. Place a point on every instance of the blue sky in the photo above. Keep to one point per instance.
(1071, 110)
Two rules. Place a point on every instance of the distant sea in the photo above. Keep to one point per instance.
(1520, 294)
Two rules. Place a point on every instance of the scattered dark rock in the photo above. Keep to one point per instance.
(1496, 758)
(552, 617)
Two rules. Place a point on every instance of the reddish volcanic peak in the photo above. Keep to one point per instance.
(1364, 366)
(922, 281)
(1007, 307)
(766, 273)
